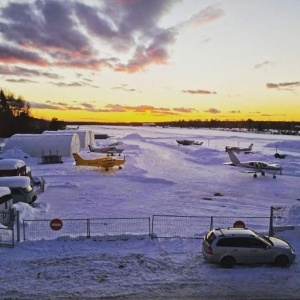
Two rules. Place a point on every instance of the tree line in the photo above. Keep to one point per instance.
(15, 117)
(14, 114)
(249, 124)
(283, 127)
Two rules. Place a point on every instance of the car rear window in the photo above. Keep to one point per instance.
(241, 242)
(210, 237)
(225, 242)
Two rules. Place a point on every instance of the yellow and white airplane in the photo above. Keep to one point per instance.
(102, 162)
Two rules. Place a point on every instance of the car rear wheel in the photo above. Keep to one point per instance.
(282, 261)
(227, 262)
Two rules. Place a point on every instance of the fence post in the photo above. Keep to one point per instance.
(88, 228)
(152, 227)
(271, 226)
(211, 223)
(43, 184)
(149, 222)
(24, 230)
(18, 226)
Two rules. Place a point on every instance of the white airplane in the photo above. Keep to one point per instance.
(238, 149)
(110, 150)
(255, 166)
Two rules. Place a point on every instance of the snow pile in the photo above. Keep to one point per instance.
(14, 153)
(158, 178)
(133, 136)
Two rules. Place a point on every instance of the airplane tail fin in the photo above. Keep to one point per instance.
(235, 161)
(78, 159)
(250, 147)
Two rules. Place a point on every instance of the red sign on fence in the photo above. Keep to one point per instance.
(56, 224)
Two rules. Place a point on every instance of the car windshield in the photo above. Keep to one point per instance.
(266, 239)
(27, 189)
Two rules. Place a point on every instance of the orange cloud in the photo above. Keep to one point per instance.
(114, 108)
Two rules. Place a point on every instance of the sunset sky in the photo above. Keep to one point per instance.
(153, 60)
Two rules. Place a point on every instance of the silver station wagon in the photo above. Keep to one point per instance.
(230, 246)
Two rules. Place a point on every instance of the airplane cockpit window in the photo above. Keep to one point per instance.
(259, 165)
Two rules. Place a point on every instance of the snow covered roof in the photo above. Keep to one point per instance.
(158, 177)
(84, 135)
(37, 145)
(11, 164)
(15, 181)
(4, 191)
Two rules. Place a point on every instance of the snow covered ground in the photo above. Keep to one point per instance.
(159, 177)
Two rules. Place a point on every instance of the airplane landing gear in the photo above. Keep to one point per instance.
(262, 173)
(274, 176)
(255, 175)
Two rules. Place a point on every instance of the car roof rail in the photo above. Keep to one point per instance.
(221, 231)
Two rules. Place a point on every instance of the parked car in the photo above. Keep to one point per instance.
(230, 246)
(20, 187)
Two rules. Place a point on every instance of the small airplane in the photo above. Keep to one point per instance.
(239, 149)
(188, 142)
(255, 166)
(102, 162)
(281, 156)
(110, 150)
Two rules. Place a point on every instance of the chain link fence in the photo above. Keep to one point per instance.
(193, 227)
(284, 217)
(258, 224)
(98, 228)
(196, 227)
(7, 232)
(159, 226)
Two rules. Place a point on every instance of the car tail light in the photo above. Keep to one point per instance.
(210, 250)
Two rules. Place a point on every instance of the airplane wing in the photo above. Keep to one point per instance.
(229, 164)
